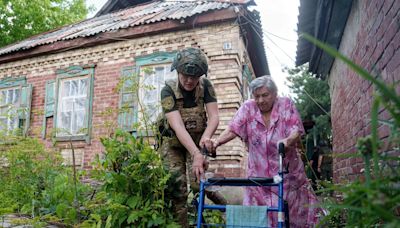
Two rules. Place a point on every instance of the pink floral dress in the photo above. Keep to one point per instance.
(263, 160)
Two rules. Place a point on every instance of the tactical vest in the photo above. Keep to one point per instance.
(194, 119)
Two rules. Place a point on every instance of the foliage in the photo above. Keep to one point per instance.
(23, 173)
(35, 182)
(134, 187)
(312, 99)
(213, 217)
(374, 201)
(22, 19)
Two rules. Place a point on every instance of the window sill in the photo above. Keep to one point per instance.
(71, 138)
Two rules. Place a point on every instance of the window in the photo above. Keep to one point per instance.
(127, 116)
(152, 80)
(72, 103)
(9, 103)
(15, 105)
(140, 106)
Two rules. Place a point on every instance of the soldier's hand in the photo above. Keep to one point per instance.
(208, 144)
(198, 166)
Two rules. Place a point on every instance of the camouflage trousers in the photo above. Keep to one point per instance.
(179, 162)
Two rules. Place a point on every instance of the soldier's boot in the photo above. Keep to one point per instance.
(216, 197)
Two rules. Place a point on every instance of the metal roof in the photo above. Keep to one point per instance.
(325, 20)
(114, 5)
(139, 15)
(147, 13)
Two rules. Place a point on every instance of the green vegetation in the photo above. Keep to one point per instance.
(373, 201)
(34, 182)
(22, 19)
(135, 182)
(312, 99)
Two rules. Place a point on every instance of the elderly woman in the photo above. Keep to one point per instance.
(262, 123)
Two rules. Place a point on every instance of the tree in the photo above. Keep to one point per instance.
(20, 19)
(312, 99)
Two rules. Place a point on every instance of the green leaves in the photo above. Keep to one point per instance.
(373, 201)
(135, 181)
(312, 99)
(22, 19)
(35, 182)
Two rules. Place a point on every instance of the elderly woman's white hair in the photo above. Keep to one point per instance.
(263, 81)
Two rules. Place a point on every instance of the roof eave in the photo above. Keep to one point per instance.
(325, 20)
(212, 17)
(255, 48)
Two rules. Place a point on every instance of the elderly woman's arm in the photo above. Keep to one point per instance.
(292, 140)
(226, 136)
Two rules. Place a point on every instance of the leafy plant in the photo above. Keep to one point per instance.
(312, 99)
(25, 171)
(35, 182)
(374, 201)
(134, 187)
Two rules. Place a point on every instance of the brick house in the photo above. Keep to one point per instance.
(67, 78)
(368, 33)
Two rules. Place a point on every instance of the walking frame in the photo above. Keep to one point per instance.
(277, 181)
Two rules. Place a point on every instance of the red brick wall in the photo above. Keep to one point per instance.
(372, 40)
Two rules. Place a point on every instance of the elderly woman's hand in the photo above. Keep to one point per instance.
(207, 143)
(290, 141)
(284, 141)
(215, 144)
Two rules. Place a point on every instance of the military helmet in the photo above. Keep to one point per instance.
(190, 61)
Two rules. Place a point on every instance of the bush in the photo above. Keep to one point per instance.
(35, 182)
(134, 187)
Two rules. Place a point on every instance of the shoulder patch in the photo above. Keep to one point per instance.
(167, 103)
(211, 91)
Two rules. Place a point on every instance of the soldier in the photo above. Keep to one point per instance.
(187, 102)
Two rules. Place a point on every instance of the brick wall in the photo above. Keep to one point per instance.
(372, 39)
(225, 72)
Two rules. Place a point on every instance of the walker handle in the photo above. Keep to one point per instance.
(204, 151)
(281, 149)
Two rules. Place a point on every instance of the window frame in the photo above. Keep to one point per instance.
(23, 111)
(128, 73)
(71, 73)
(141, 62)
(18, 104)
(142, 92)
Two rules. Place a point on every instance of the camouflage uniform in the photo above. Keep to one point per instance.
(175, 155)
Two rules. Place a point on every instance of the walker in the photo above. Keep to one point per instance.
(281, 210)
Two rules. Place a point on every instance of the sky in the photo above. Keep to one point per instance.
(279, 23)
